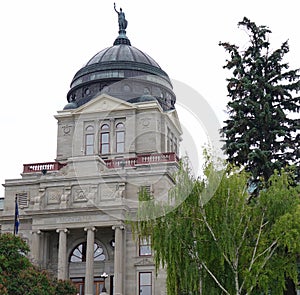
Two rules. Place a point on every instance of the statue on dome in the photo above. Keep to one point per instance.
(121, 17)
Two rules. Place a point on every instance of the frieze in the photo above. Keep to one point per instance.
(84, 193)
(108, 191)
(53, 195)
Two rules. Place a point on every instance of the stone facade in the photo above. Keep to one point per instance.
(74, 211)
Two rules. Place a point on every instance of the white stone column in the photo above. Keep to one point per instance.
(62, 254)
(35, 247)
(45, 249)
(89, 264)
(118, 259)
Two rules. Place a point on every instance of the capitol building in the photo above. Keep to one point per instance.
(117, 134)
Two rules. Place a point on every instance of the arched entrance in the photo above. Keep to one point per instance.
(77, 260)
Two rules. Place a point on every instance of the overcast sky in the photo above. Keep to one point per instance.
(44, 43)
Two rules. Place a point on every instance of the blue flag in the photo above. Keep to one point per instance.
(17, 220)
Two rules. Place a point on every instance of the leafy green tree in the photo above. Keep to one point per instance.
(262, 131)
(18, 276)
(228, 245)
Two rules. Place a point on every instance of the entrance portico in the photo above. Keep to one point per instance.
(82, 255)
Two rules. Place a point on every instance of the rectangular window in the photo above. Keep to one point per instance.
(145, 247)
(89, 144)
(104, 143)
(175, 145)
(145, 283)
(168, 140)
(120, 141)
(172, 142)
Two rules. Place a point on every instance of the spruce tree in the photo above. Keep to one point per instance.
(262, 129)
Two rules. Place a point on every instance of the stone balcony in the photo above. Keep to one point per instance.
(142, 159)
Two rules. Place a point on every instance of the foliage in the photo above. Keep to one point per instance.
(230, 245)
(18, 276)
(261, 133)
(64, 288)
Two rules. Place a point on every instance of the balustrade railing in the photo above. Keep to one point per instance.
(142, 159)
(42, 167)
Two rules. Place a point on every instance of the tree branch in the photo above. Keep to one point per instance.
(215, 279)
(213, 235)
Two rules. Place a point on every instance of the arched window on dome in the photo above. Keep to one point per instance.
(120, 138)
(105, 139)
(89, 140)
(78, 254)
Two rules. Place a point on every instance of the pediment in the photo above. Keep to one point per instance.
(173, 116)
(104, 103)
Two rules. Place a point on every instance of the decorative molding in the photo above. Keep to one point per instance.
(53, 195)
(145, 122)
(67, 130)
(108, 191)
(121, 189)
(79, 194)
(145, 262)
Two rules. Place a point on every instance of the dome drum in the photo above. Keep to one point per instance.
(130, 90)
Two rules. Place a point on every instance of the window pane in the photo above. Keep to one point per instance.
(89, 150)
(105, 149)
(89, 139)
(105, 137)
(145, 278)
(145, 250)
(120, 147)
(145, 290)
(120, 136)
(77, 253)
(105, 126)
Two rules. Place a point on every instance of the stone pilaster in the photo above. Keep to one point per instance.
(118, 259)
(35, 247)
(62, 254)
(89, 265)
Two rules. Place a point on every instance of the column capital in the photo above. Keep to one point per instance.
(92, 228)
(119, 226)
(65, 230)
(37, 232)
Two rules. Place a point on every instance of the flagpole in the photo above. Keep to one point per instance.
(16, 213)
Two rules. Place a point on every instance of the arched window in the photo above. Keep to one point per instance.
(79, 253)
(104, 139)
(120, 138)
(89, 140)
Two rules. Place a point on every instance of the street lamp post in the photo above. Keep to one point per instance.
(104, 276)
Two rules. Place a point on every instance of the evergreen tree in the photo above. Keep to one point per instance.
(262, 131)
